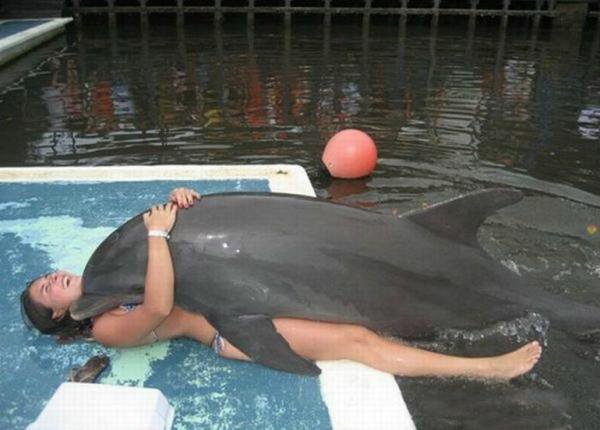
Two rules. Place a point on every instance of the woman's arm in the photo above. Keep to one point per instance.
(135, 327)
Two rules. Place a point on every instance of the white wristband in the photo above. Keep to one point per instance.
(158, 233)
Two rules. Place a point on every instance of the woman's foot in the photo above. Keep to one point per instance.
(513, 364)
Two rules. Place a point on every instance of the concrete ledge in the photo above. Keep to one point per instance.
(19, 43)
(283, 178)
(359, 397)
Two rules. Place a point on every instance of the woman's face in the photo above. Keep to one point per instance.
(56, 290)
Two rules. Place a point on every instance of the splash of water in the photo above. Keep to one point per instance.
(522, 329)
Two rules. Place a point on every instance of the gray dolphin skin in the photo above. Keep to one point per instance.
(242, 259)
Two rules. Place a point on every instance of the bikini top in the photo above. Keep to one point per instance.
(127, 307)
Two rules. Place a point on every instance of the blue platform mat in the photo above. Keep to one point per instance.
(44, 226)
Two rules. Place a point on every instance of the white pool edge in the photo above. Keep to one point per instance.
(357, 397)
(362, 398)
(283, 178)
(18, 44)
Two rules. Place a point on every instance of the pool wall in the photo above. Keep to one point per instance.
(19, 42)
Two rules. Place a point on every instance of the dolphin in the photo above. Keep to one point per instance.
(242, 259)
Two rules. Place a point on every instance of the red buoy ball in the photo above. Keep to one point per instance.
(350, 154)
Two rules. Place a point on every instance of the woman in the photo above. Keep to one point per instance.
(46, 302)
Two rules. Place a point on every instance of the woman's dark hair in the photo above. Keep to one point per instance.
(37, 315)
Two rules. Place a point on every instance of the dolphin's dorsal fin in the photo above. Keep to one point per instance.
(459, 218)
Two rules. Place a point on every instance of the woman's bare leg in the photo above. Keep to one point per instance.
(327, 341)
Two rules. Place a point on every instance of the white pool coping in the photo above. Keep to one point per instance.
(283, 178)
(19, 43)
(357, 397)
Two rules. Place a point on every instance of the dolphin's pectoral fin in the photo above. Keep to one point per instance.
(256, 336)
(459, 218)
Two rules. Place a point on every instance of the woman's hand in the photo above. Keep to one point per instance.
(161, 217)
(184, 197)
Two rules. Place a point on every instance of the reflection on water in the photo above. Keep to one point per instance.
(455, 106)
(461, 95)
